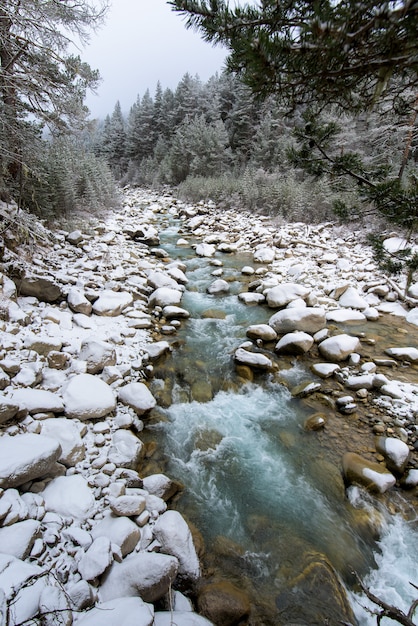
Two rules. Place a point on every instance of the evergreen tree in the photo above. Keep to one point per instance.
(39, 79)
(345, 53)
(113, 145)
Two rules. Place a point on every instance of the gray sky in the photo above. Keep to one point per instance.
(144, 41)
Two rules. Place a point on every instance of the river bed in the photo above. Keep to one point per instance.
(265, 493)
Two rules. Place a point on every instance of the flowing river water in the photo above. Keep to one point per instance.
(266, 494)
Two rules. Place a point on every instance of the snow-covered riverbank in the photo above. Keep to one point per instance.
(84, 318)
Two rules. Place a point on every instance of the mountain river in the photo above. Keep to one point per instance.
(266, 494)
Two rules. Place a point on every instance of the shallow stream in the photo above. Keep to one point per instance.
(266, 494)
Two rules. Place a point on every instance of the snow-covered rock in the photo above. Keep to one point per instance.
(97, 559)
(67, 433)
(294, 343)
(69, 496)
(119, 530)
(261, 331)
(339, 347)
(146, 574)
(374, 476)
(174, 535)
(37, 401)
(264, 255)
(97, 354)
(282, 295)
(395, 451)
(205, 249)
(165, 296)
(19, 538)
(120, 612)
(78, 302)
(88, 397)
(252, 359)
(308, 319)
(22, 582)
(126, 450)
(351, 299)
(218, 286)
(26, 457)
(138, 397)
(403, 354)
(112, 303)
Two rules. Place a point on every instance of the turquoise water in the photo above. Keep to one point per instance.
(253, 475)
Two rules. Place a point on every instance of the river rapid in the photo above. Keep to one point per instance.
(266, 494)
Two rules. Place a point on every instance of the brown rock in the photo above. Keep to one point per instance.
(224, 604)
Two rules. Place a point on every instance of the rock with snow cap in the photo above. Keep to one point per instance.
(218, 286)
(261, 331)
(8, 409)
(175, 537)
(281, 295)
(87, 397)
(19, 538)
(69, 496)
(175, 312)
(339, 347)
(297, 342)
(37, 401)
(351, 299)
(96, 559)
(264, 255)
(41, 287)
(395, 451)
(165, 296)
(253, 359)
(78, 302)
(26, 457)
(54, 607)
(308, 319)
(248, 297)
(146, 574)
(160, 485)
(111, 303)
(205, 249)
(42, 344)
(27, 580)
(97, 354)
(345, 315)
(138, 397)
(119, 530)
(403, 354)
(126, 450)
(157, 349)
(67, 433)
(120, 612)
(374, 476)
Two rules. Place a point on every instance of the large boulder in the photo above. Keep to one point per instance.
(294, 343)
(120, 612)
(261, 331)
(67, 433)
(254, 360)
(18, 539)
(165, 296)
(138, 397)
(69, 496)
(88, 397)
(43, 288)
(339, 347)
(308, 319)
(175, 537)
(281, 295)
(146, 574)
(78, 302)
(224, 603)
(23, 583)
(26, 457)
(37, 401)
(97, 354)
(112, 303)
(395, 451)
(358, 470)
(126, 449)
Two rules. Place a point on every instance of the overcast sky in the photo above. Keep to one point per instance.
(144, 41)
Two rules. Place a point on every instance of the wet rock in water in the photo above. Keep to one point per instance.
(403, 354)
(224, 603)
(339, 347)
(358, 470)
(410, 480)
(325, 370)
(295, 343)
(315, 422)
(305, 388)
(207, 440)
(395, 451)
(201, 391)
(219, 286)
(253, 359)
(213, 314)
(315, 596)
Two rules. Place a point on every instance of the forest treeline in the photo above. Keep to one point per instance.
(217, 141)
